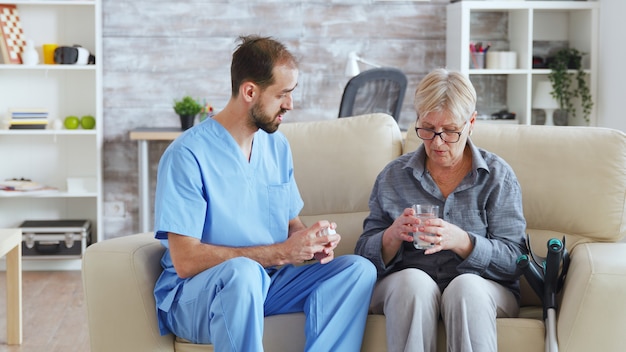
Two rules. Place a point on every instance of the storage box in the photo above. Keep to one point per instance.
(81, 185)
(60, 239)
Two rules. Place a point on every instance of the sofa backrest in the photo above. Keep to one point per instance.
(336, 163)
(572, 178)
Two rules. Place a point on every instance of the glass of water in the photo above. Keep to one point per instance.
(424, 212)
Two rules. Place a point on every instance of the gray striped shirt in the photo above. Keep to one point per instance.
(487, 204)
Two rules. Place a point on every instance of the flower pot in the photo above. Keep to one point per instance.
(186, 121)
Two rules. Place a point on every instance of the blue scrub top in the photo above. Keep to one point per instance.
(207, 189)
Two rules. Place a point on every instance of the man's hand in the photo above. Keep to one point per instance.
(306, 244)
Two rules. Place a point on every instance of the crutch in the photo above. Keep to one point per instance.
(546, 279)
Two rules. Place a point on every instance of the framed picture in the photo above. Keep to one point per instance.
(12, 40)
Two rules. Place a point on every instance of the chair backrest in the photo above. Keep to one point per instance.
(379, 90)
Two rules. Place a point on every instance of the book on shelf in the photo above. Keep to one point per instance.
(22, 115)
(28, 112)
(30, 121)
(20, 110)
(28, 127)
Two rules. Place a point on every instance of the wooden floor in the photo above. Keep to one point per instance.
(54, 314)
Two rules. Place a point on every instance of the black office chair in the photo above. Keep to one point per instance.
(375, 90)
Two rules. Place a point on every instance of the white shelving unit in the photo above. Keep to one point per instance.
(51, 156)
(529, 22)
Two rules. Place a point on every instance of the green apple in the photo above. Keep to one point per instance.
(88, 122)
(71, 122)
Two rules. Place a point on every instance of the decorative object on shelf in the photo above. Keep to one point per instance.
(503, 115)
(30, 56)
(501, 60)
(88, 122)
(81, 185)
(71, 122)
(543, 99)
(73, 55)
(564, 88)
(48, 53)
(57, 124)
(12, 40)
(187, 108)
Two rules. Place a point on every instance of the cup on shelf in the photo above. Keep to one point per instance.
(477, 59)
(48, 53)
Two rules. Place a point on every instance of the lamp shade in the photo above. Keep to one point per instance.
(542, 99)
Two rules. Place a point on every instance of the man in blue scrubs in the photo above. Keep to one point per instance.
(227, 210)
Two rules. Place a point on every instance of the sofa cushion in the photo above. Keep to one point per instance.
(335, 170)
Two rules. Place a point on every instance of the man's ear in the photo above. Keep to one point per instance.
(248, 91)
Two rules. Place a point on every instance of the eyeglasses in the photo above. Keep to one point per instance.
(447, 136)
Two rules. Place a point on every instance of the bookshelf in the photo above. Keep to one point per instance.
(527, 28)
(54, 155)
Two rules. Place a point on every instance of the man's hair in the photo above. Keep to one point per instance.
(254, 60)
(443, 90)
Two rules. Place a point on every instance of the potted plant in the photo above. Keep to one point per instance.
(187, 108)
(568, 85)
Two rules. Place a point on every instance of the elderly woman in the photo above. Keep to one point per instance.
(469, 277)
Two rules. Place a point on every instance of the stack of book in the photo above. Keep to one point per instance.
(22, 187)
(28, 118)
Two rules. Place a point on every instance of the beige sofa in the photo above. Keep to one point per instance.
(573, 181)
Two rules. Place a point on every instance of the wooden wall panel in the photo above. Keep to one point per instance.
(157, 51)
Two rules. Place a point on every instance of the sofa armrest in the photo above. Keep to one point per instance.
(118, 279)
(592, 314)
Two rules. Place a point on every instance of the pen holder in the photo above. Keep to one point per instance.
(477, 60)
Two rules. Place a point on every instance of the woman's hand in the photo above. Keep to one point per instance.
(400, 231)
(448, 237)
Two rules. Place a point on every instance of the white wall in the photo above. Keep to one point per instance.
(611, 97)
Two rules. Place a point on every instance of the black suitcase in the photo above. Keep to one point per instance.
(55, 238)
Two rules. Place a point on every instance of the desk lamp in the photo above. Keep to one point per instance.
(352, 67)
(542, 99)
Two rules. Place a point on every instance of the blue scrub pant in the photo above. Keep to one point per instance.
(225, 305)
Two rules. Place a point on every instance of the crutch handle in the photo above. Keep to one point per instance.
(532, 274)
(551, 272)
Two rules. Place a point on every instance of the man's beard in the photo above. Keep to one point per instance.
(263, 121)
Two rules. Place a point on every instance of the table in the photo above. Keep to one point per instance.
(11, 247)
(143, 135)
